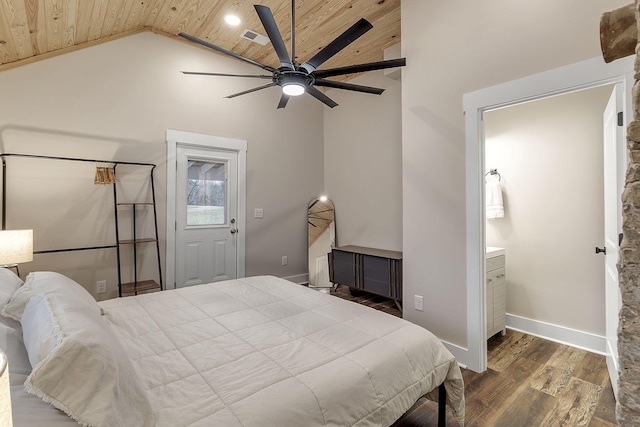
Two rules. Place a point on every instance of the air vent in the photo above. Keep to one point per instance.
(255, 37)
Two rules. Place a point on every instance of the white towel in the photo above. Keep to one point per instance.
(493, 195)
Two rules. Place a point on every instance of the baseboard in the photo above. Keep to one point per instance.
(574, 338)
(571, 337)
(300, 279)
(458, 352)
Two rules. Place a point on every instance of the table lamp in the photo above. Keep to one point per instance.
(16, 246)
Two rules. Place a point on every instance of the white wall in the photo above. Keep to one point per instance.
(363, 163)
(549, 154)
(115, 101)
(453, 48)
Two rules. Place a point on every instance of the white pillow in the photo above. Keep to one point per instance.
(80, 367)
(49, 283)
(11, 343)
(9, 282)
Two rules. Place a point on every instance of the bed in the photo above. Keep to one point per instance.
(258, 351)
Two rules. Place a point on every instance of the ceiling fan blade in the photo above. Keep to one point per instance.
(339, 43)
(348, 86)
(283, 100)
(256, 76)
(251, 90)
(226, 52)
(321, 96)
(360, 68)
(270, 26)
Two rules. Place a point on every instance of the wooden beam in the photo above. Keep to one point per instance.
(618, 33)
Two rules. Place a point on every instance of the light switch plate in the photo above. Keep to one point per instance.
(101, 286)
(258, 213)
(418, 302)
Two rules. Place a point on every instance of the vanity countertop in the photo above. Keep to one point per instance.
(494, 252)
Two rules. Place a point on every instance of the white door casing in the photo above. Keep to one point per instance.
(206, 236)
(582, 75)
(175, 139)
(614, 161)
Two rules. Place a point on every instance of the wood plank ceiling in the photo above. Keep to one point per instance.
(31, 30)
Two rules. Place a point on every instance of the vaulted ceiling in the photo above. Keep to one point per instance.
(36, 29)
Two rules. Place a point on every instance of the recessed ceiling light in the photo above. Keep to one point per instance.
(232, 20)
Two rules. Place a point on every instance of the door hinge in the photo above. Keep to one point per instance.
(620, 119)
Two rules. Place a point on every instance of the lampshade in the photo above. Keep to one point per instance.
(5, 397)
(16, 246)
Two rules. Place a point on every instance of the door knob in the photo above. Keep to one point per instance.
(603, 250)
(233, 230)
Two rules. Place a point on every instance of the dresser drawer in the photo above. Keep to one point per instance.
(343, 257)
(375, 268)
(343, 268)
(495, 263)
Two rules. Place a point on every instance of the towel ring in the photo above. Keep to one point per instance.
(493, 172)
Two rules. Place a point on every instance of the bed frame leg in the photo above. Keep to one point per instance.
(442, 406)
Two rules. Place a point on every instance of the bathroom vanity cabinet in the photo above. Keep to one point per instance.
(496, 292)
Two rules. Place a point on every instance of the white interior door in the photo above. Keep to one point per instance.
(206, 215)
(614, 167)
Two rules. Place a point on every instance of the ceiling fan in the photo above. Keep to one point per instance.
(294, 78)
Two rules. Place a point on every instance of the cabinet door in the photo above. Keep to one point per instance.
(489, 304)
(499, 300)
(376, 275)
(344, 268)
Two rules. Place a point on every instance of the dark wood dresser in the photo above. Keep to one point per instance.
(376, 271)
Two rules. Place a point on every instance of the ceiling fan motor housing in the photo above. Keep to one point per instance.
(287, 77)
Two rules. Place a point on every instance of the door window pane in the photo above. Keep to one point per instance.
(206, 192)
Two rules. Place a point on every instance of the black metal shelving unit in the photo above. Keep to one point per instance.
(137, 286)
(132, 288)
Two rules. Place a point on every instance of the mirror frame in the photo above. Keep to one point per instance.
(321, 238)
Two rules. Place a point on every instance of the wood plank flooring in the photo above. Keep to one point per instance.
(529, 382)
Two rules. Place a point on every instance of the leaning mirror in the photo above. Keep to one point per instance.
(321, 225)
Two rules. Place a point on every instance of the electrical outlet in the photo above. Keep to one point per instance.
(101, 286)
(418, 302)
(258, 213)
(285, 260)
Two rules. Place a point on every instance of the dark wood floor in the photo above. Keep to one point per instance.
(529, 382)
(379, 303)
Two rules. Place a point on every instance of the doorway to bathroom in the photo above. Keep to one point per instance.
(548, 171)
(576, 81)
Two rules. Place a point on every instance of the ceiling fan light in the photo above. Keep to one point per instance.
(293, 89)
(232, 20)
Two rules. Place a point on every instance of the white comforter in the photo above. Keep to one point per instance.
(263, 351)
